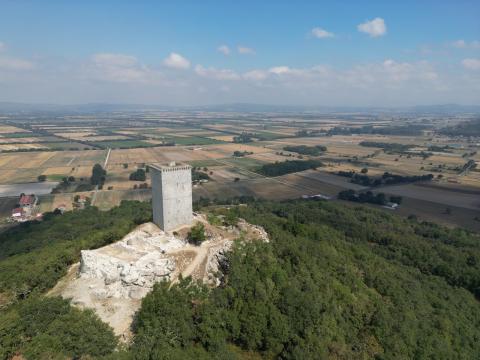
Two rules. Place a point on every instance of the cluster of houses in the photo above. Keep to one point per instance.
(26, 208)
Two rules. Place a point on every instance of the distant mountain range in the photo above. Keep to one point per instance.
(13, 107)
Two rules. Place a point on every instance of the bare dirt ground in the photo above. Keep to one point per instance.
(94, 282)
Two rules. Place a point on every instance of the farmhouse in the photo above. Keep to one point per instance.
(26, 207)
(27, 200)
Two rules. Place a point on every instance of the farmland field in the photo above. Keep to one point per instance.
(205, 140)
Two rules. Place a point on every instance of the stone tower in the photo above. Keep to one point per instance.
(171, 195)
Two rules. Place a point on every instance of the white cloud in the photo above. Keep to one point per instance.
(462, 44)
(114, 59)
(218, 74)
(224, 49)
(11, 63)
(459, 44)
(471, 64)
(116, 68)
(278, 70)
(245, 50)
(321, 33)
(374, 28)
(388, 82)
(176, 61)
(255, 75)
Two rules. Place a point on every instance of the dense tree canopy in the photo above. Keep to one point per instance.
(98, 175)
(289, 166)
(306, 150)
(334, 281)
(138, 175)
(34, 255)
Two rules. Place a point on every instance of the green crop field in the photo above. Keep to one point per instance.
(204, 163)
(193, 140)
(122, 144)
(245, 162)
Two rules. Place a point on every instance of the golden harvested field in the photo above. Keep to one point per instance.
(454, 159)
(26, 166)
(118, 177)
(156, 155)
(58, 170)
(24, 160)
(334, 167)
(62, 200)
(82, 171)
(268, 157)
(76, 158)
(226, 150)
(7, 129)
(105, 138)
(10, 147)
(283, 130)
(5, 140)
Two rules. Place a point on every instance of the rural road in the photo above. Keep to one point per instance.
(94, 197)
(71, 160)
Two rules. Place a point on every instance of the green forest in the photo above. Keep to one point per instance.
(288, 167)
(306, 150)
(466, 128)
(334, 282)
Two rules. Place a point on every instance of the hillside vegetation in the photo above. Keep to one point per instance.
(334, 282)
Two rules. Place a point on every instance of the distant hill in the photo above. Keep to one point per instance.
(14, 107)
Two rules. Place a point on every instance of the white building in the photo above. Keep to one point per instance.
(171, 195)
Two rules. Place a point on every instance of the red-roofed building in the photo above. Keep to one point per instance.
(18, 213)
(27, 200)
(26, 208)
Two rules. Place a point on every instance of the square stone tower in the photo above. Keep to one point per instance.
(171, 195)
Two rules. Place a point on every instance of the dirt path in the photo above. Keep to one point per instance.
(106, 159)
(71, 160)
(94, 197)
(200, 255)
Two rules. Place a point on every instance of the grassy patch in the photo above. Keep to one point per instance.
(203, 163)
(56, 177)
(266, 135)
(245, 162)
(19, 135)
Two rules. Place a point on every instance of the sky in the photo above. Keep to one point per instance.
(316, 53)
